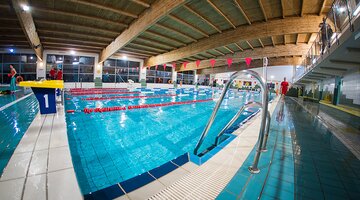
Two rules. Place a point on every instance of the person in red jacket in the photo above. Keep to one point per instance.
(52, 73)
(284, 87)
(59, 75)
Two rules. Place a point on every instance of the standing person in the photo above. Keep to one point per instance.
(284, 87)
(13, 79)
(59, 75)
(52, 73)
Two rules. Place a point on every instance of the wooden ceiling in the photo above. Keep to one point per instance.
(156, 30)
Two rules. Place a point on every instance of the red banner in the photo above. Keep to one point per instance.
(185, 63)
(212, 62)
(248, 61)
(229, 62)
(197, 63)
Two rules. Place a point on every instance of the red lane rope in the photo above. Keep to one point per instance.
(127, 97)
(95, 89)
(166, 104)
(117, 108)
(102, 92)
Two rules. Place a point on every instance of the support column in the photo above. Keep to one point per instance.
(337, 92)
(196, 77)
(174, 75)
(40, 70)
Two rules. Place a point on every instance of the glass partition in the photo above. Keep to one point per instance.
(24, 64)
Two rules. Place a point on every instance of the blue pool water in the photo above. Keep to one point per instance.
(5, 99)
(14, 121)
(110, 147)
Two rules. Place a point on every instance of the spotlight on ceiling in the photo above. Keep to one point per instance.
(72, 52)
(124, 57)
(11, 50)
(25, 8)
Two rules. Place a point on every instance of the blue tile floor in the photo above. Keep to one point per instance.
(304, 161)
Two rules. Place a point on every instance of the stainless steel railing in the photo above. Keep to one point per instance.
(237, 115)
(265, 98)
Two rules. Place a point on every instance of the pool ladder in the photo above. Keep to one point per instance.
(265, 118)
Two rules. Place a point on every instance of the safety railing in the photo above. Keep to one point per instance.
(340, 17)
(264, 113)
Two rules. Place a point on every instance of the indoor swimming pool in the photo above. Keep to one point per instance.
(110, 147)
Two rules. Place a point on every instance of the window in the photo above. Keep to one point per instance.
(116, 71)
(75, 68)
(187, 77)
(158, 74)
(24, 64)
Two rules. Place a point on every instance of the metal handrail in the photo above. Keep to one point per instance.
(236, 116)
(265, 97)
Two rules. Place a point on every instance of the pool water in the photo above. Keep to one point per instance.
(5, 99)
(14, 121)
(111, 147)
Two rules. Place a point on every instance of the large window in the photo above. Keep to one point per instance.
(187, 77)
(75, 68)
(159, 74)
(117, 71)
(25, 65)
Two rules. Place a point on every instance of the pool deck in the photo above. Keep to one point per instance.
(41, 166)
(347, 134)
(209, 179)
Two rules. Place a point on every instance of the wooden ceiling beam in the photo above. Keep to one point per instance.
(173, 17)
(221, 13)
(139, 2)
(61, 48)
(263, 10)
(312, 38)
(302, 8)
(73, 40)
(129, 52)
(237, 3)
(297, 38)
(51, 31)
(202, 18)
(254, 64)
(71, 45)
(262, 45)
(284, 39)
(322, 7)
(176, 31)
(103, 7)
(154, 34)
(306, 24)
(219, 52)
(248, 43)
(159, 9)
(76, 25)
(283, 8)
(77, 15)
(272, 40)
(157, 49)
(27, 24)
(168, 46)
(238, 46)
(139, 50)
(228, 49)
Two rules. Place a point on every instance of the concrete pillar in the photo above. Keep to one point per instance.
(41, 70)
(98, 68)
(337, 91)
(196, 77)
(174, 75)
(142, 73)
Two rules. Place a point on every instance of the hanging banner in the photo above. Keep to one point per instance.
(156, 66)
(197, 63)
(212, 62)
(164, 65)
(174, 65)
(248, 62)
(229, 62)
(185, 63)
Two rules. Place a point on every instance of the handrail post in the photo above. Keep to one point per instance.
(253, 168)
(267, 128)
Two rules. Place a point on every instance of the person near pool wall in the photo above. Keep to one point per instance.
(13, 79)
(284, 87)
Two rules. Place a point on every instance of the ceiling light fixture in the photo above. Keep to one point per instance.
(25, 8)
